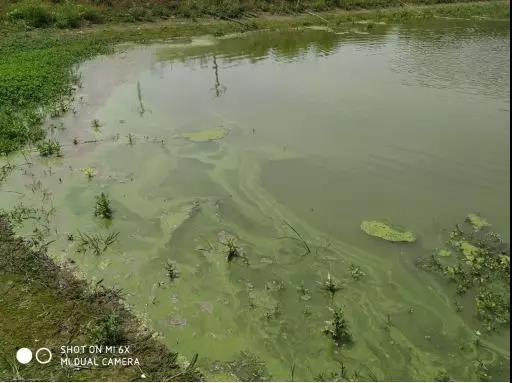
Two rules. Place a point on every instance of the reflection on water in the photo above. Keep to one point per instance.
(325, 129)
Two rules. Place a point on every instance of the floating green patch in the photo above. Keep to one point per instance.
(444, 253)
(477, 222)
(384, 231)
(205, 135)
(467, 248)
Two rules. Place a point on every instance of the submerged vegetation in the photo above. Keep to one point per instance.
(387, 232)
(480, 267)
(337, 328)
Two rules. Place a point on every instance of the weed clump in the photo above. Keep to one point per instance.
(103, 208)
(233, 251)
(89, 172)
(108, 331)
(356, 272)
(171, 270)
(337, 328)
(49, 148)
(330, 285)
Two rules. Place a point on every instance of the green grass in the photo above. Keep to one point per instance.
(37, 66)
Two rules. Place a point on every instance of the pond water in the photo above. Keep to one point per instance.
(321, 130)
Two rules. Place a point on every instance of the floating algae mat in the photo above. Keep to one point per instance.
(385, 231)
(241, 246)
(477, 221)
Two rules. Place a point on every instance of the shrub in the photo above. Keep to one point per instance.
(34, 14)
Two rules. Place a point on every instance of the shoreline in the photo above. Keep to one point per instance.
(81, 316)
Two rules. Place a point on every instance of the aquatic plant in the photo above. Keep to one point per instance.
(95, 124)
(337, 328)
(442, 376)
(304, 293)
(275, 285)
(103, 208)
(481, 370)
(248, 367)
(20, 213)
(5, 170)
(385, 231)
(480, 264)
(131, 139)
(171, 270)
(89, 172)
(142, 110)
(330, 285)
(356, 272)
(233, 251)
(97, 243)
(49, 148)
(108, 331)
(342, 374)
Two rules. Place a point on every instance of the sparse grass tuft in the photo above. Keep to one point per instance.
(97, 243)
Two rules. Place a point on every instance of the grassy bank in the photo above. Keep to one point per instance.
(44, 305)
(36, 67)
(76, 13)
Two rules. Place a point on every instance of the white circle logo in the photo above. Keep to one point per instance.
(24, 355)
(49, 356)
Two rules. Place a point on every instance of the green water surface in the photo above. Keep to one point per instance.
(324, 129)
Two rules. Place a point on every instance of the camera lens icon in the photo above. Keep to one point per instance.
(43, 355)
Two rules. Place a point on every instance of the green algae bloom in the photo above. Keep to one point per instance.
(205, 135)
(384, 231)
(444, 253)
(467, 248)
(477, 222)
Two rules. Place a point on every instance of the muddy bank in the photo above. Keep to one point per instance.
(45, 305)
